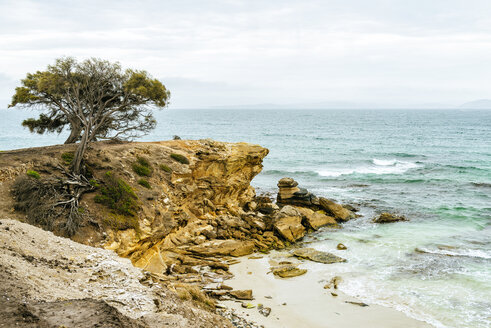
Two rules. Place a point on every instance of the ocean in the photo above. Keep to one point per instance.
(432, 166)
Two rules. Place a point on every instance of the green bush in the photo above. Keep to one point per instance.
(165, 168)
(94, 183)
(180, 158)
(33, 174)
(67, 157)
(117, 195)
(142, 167)
(144, 183)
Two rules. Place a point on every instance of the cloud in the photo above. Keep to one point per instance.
(240, 52)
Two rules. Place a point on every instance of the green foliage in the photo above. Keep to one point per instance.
(165, 168)
(33, 174)
(144, 183)
(142, 167)
(67, 157)
(117, 195)
(180, 158)
(94, 183)
(117, 102)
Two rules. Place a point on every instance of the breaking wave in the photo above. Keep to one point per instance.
(379, 166)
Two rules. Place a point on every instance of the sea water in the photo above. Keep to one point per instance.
(434, 167)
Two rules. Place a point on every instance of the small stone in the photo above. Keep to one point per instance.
(341, 247)
(357, 303)
(334, 294)
(265, 311)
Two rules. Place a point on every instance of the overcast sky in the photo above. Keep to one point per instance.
(231, 52)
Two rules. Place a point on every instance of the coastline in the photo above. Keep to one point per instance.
(303, 302)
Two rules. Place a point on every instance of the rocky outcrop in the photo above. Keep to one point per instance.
(388, 218)
(290, 194)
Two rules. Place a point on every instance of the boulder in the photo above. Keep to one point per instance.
(290, 227)
(230, 247)
(290, 193)
(388, 218)
(317, 256)
(287, 271)
(242, 294)
(287, 211)
(336, 210)
(319, 219)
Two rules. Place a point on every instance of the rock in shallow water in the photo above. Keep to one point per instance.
(317, 256)
(341, 247)
(388, 218)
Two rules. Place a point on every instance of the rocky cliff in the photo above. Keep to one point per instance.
(181, 210)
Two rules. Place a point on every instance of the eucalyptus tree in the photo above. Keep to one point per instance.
(95, 99)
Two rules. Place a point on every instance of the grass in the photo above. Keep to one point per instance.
(118, 196)
(142, 167)
(192, 292)
(33, 174)
(165, 168)
(144, 183)
(179, 158)
(67, 157)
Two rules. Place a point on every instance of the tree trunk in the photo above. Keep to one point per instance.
(75, 131)
(80, 152)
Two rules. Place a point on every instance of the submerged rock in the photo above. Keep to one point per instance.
(317, 256)
(388, 218)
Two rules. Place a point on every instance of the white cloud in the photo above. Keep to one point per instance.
(237, 52)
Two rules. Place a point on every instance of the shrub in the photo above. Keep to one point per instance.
(192, 292)
(142, 167)
(180, 158)
(94, 183)
(33, 174)
(117, 195)
(144, 183)
(67, 158)
(165, 168)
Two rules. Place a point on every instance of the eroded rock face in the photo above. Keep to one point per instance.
(290, 194)
(229, 247)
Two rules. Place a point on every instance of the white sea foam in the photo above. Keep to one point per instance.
(385, 162)
(379, 167)
(464, 252)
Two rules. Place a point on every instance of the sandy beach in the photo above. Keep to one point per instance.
(303, 302)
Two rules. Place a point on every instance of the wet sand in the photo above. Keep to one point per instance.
(303, 302)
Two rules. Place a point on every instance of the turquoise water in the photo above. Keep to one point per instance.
(434, 167)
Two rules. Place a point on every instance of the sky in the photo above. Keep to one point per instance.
(387, 53)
